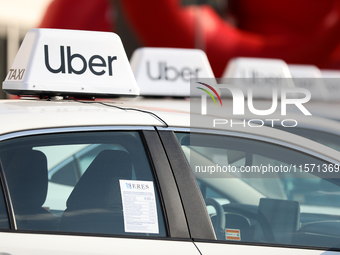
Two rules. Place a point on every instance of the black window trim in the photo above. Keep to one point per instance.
(7, 198)
(199, 222)
(177, 223)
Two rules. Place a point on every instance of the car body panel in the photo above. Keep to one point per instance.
(71, 244)
(218, 248)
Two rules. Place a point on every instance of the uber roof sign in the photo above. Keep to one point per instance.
(256, 68)
(71, 63)
(167, 71)
(331, 79)
(309, 77)
(260, 73)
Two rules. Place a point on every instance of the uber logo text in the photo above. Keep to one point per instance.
(170, 73)
(94, 62)
(256, 77)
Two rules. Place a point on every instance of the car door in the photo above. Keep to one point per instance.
(93, 190)
(290, 206)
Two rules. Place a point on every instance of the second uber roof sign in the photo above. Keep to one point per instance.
(167, 71)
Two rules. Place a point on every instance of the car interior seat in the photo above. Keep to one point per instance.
(26, 176)
(95, 204)
(278, 220)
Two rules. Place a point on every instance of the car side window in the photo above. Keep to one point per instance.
(265, 193)
(88, 182)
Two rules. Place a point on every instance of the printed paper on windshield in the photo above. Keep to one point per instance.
(139, 206)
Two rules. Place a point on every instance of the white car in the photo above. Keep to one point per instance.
(107, 177)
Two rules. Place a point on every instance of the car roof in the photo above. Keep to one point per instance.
(31, 114)
(313, 122)
(325, 109)
(28, 114)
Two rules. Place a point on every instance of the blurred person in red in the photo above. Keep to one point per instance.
(94, 15)
(297, 31)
